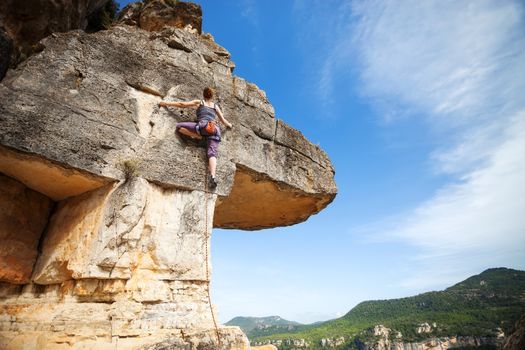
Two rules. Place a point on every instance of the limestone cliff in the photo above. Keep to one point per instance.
(382, 338)
(105, 215)
(445, 343)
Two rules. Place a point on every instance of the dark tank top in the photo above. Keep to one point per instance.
(206, 113)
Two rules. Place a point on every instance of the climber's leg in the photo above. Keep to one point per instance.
(212, 163)
(188, 129)
(189, 133)
(211, 152)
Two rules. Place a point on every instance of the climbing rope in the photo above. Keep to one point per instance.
(207, 263)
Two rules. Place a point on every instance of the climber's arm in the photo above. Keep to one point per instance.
(180, 104)
(221, 117)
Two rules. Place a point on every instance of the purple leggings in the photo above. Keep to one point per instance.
(212, 146)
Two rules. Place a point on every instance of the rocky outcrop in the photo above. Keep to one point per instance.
(298, 343)
(445, 343)
(425, 328)
(112, 97)
(380, 331)
(121, 256)
(332, 342)
(516, 339)
(384, 341)
(154, 15)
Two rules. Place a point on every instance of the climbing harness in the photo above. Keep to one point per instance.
(207, 262)
(210, 128)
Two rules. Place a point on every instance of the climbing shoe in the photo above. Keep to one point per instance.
(213, 182)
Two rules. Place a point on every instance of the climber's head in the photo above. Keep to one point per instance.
(207, 93)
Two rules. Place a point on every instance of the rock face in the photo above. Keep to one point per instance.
(332, 342)
(108, 207)
(383, 340)
(154, 15)
(516, 340)
(23, 217)
(425, 328)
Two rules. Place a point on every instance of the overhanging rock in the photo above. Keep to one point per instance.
(118, 250)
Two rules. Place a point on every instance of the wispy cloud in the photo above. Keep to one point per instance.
(480, 214)
(249, 11)
(460, 65)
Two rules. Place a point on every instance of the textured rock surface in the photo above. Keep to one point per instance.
(124, 259)
(23, 216)
(516, 339)
(136, 229)
(383, 341)
(96, 83)
(154, 15)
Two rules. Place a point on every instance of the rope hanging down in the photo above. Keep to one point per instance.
(207, 237)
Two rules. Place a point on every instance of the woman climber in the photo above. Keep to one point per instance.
(206, 125)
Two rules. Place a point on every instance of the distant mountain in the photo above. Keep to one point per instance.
(259, 326)
(481, 307)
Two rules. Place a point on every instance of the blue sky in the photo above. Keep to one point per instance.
(421, 107)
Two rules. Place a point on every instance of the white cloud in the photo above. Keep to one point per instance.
(437, 56)
(484, 211)
(461, 65)
(249, 11)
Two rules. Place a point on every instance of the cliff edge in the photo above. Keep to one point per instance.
(105, 215)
